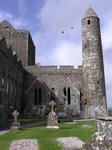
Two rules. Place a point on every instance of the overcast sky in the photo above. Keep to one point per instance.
(46, 19)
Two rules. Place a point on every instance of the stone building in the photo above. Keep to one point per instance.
(29, 87)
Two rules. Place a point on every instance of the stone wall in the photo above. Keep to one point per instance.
(57, 78)
(11, 81)
(101, 140)
(93, 69)
(20, 41)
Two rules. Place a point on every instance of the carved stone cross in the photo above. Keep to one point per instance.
(15, 114)
(52, 104)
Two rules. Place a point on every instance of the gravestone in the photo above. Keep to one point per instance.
(25, 144)
(100, 111)
(52, 121)
(15, 124)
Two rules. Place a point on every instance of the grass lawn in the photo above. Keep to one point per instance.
(46, 137)
(29, 120)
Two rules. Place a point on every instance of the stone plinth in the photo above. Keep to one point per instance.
(102, 140)
(104, 125)
(52, 120)
(15, 126)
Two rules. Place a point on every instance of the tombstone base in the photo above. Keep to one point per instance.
(52, 127)
(15, 126)
(52, 122)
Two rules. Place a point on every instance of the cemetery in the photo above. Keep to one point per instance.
(86, 134)
(51, 108)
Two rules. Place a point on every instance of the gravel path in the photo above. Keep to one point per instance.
(4, 132)
(70, 143)
(26, 144)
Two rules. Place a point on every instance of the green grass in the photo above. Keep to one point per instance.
(46, 137)
(31, 120)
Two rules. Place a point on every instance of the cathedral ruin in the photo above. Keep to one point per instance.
(28, 88)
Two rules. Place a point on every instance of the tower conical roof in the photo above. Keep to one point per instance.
(90, 13)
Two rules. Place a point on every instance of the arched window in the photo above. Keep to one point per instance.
(64, 91)
(40, 96)
(69, 96)
(35, 97)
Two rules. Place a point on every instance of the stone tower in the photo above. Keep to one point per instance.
(93, 68)
(20, 41)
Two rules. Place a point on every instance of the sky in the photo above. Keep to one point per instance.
(46, 19)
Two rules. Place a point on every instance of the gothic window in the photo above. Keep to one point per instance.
(81, 103)
(40, 96)
(7, 87)
(35, 97)
(64, 91)
(69, 96)
(88, 22)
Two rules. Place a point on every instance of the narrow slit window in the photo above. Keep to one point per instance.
(64, 91)
(69, 96)
(35, 96)
(40, 96)
(88, 22)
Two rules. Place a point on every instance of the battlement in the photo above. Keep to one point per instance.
(56, 67)
(53, 69)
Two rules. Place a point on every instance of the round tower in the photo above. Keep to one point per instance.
(93, 69)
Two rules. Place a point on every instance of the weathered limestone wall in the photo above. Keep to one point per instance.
(102, 139)
(20, 41)
(51, 77)
(11, 82)
(93, 69)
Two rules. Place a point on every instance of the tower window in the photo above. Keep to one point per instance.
(52, 88)
(98, 82)
(88, 22)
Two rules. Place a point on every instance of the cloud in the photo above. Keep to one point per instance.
(15, 21)
(59, 15)
(5, 15)
(67, 53)
(107, 34)
(22, 6)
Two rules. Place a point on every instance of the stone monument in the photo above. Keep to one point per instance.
(15, 124)
(52, 121)
(100, 111)
(102, 139)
